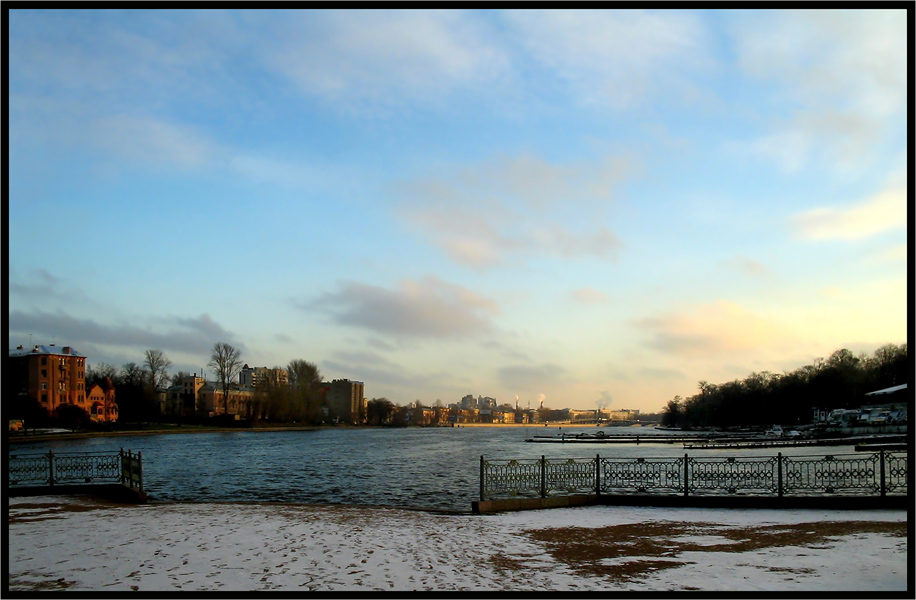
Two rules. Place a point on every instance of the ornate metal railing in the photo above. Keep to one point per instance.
(75, 467)
(882, 473)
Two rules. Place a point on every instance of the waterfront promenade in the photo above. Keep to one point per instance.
(80, 544)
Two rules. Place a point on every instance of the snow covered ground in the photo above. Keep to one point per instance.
(77, 543)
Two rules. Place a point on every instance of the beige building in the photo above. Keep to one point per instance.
(252, 377)
(210, 400)
(181, 398)
(624, 414)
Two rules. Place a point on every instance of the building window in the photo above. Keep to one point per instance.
(44, 398)
(44, 385)
(44, 372)
(44, 360)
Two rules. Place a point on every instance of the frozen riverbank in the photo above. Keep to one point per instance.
(82, 544)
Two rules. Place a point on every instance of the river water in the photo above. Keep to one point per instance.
(436, 468)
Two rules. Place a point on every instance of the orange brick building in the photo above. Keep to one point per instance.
(54, 376)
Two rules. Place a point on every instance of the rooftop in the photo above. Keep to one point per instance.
(38, 349)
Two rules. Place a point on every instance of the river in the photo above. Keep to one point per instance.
(435, 468)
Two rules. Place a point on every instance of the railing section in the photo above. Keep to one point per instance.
(510, 478)
(568, 476)
(733, 475)
(833, 474)
(75, 467)
(880, 473)
(641, 475)
(895, 472)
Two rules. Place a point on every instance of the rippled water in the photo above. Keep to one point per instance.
(417, 467)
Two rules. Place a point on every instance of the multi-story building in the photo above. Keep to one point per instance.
(181, 398)
(52, 376)
(210, 400)
(252, 377)
(344, 400)
(624, 414)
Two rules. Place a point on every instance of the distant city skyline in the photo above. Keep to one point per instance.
(592, 208)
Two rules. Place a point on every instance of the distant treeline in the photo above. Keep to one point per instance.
(764, 399)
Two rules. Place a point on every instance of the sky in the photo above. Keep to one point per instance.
(585, 207)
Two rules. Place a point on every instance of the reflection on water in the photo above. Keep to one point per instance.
(417, 467)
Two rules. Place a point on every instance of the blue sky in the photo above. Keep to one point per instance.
(559, 205)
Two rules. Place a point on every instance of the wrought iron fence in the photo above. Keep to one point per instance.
(75, 467)
(883, 473)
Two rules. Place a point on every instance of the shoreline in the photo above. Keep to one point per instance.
(20, 438)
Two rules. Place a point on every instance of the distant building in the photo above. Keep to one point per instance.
(210, 400)
(503, 416)
(51, 376)
(344, 400)
(252, 377)
(625, 414)
(102, 405)
(181, 398)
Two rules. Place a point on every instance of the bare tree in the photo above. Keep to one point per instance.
(98, 374)
(178, 377)
(157, 363)
(226, 362)
(303, 375)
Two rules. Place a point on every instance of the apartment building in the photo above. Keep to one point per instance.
(344, 400)
(55, 376)
(210, 399)
(252, 377)
(181, 398)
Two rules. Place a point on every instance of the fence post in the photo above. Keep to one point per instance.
(597, 474)
(779, 474)
(483, 495)
(543, 476)
(121, 465)
(686, 481)
(883, 486)
(50, 467)
(140, 465)
(130, 470)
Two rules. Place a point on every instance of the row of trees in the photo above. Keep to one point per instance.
(276, 399)
(763, 399)
(135, 384)
(291, 401)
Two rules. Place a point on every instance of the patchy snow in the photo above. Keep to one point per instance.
(77, 543)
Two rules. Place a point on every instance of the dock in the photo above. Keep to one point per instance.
(725, 444)
(591, 438)
(721, 442)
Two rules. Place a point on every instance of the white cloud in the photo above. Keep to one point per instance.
(152, 140)
(356, 59)
(719, 328)
(847, 58)
(426, 308)
(882, 212)
(842, 75)
(482, 215)
(614, 57)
